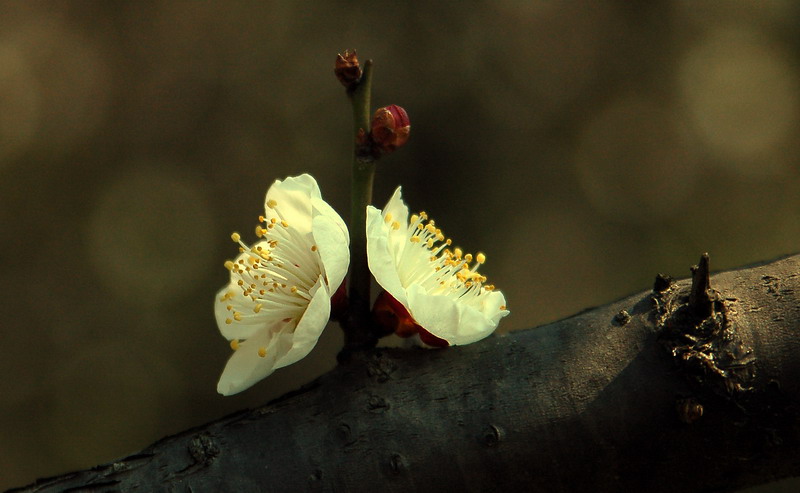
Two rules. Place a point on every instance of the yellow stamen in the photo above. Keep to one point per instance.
(237, 316)
(262, 351)
(257, 308)
(236, 237)
(388, 217)
(395, 225)
(229, 264)
(228, 321)
(271, 203)
(313, 248)
(235, 344)
(414, 239)
(480, 258)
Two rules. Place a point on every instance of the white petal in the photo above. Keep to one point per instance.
(323, 208)
(445, 317)
(398, 238)
(382, 263)
(332, 244)
(293, 197)
(243, 329)
(491, 306)
(310, 326)
(396, 207)
(245, 367)
(436, 314)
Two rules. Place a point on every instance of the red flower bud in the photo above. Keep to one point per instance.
(347, 69)
(390, 128)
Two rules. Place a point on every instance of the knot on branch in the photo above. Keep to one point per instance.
(696, 325)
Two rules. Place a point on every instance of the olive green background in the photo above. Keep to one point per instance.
(583, 146)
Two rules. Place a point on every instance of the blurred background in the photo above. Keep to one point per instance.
(584, 146)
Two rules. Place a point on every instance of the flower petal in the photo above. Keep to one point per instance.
(397, 211)
(396, 207)
(332, 244)
(310, 326)
(379, 256)
(444, 317)
(245, 367)
(293, 198)
(320, 207)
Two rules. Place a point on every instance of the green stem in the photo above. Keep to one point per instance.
(357, 325)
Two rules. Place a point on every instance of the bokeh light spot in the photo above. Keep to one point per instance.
(741, 93)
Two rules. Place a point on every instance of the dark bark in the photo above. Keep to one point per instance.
(688, 387)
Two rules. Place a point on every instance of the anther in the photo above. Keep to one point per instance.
(414, 239)
(313, 248)
(262, 352)
(480, 258)
(237, 316)
(228, 321)
(395, 225)
(284, 224)
(235, 344)
(388, 217)
(236, 237)
(271, 203)
(257, 308)
(229, 264)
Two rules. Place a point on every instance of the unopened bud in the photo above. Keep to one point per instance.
(347, 69)
(390, 128)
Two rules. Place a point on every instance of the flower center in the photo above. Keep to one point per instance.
(277, 272)
(428, 260)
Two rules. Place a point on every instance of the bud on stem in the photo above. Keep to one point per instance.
(347, 69)
(390, 128)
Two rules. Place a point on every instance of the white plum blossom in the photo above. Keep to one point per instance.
(278, 299)
(439, 287)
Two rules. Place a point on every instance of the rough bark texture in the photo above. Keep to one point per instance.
(687, 387)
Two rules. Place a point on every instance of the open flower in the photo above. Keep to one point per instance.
(278, 300)
(435, 290)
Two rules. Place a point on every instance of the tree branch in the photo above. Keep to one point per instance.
(692, 386)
